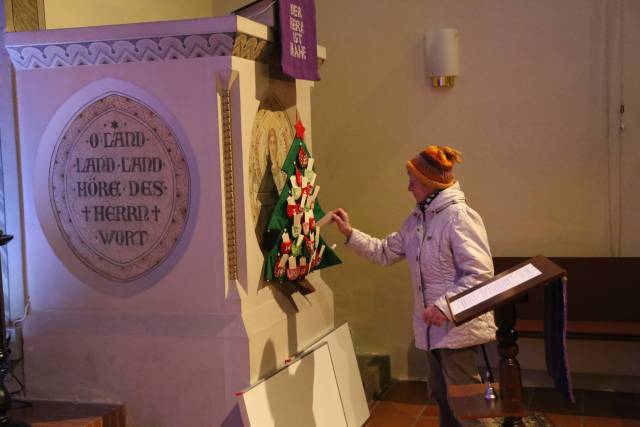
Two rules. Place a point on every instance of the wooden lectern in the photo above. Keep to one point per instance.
(500, 294)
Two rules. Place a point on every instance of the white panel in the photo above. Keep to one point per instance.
(304, 393)
(345, 366)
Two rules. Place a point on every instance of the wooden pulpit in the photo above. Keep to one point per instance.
(500, 294)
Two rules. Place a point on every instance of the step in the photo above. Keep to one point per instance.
(375, 371)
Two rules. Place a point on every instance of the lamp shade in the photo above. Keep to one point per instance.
(443, 59)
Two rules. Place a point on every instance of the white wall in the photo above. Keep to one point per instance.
(529, 112)
(81, 13)
(534, 113)
(630, 173)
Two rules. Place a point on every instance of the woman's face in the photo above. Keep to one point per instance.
(419, 190)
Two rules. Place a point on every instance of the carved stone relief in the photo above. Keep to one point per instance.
(119, 187)
(270, 142)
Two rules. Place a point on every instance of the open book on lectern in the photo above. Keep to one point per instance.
(503, 288)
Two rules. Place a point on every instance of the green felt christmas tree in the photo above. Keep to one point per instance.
(297, 247)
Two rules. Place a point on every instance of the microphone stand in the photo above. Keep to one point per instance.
(5, 397)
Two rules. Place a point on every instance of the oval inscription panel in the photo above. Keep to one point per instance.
(119, 187)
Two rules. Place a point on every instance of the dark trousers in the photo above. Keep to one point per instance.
(451, 366)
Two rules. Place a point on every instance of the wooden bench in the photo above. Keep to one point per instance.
(40, 413)
(603, 299)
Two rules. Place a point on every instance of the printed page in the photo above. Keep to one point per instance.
(497, 287)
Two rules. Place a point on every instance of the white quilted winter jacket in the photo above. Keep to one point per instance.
(447, 251)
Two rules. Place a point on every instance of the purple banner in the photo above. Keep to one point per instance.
(298, 39)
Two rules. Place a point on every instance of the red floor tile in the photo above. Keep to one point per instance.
(561, 420)
(609, 422)
(390, 420)
(427, 422)
(407, 406)
(430, 411)
(395, 408)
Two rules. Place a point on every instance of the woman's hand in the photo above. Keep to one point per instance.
(433, 316)
(341, 218)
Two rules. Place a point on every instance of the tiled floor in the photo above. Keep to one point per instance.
(405, 404)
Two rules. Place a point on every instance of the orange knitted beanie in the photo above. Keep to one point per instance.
(434, 166)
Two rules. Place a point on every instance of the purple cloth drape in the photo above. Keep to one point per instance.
(298, 39)
(555, 337)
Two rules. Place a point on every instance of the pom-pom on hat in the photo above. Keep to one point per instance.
(434, 166)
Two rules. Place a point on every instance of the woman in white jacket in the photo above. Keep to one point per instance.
(445, 244)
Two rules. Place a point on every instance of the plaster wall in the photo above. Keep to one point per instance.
(630, 142)
(534, 112)
(81, 13)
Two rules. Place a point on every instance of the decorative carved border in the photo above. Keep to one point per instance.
(227, 135)
(138, 50)
(252, 48)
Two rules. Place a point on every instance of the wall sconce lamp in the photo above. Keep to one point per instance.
(443, 59)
